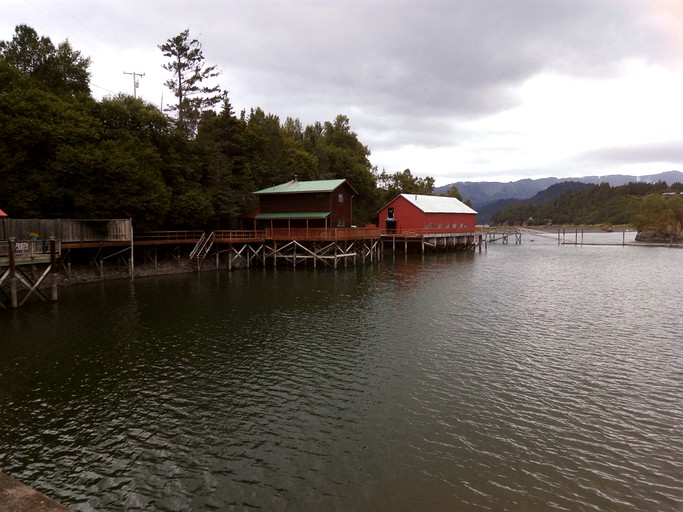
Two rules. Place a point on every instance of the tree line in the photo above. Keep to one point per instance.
(64, 154)
(646, 206)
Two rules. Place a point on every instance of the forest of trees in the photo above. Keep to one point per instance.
(64, 154)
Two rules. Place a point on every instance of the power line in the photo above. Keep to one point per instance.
(103, 88)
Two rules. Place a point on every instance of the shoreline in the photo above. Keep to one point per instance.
(85, 274)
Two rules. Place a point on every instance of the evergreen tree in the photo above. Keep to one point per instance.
(341, 155)
(405, 183)
(62, 69)
(189, 75)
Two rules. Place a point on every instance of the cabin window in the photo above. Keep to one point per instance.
(341, 198)
(439, 227)
(341, 222)
(390, 215)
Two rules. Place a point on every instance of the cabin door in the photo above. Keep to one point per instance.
(391, 221)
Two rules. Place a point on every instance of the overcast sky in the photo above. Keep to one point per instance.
(460, 90)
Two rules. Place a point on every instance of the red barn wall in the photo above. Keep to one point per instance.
(410, 217)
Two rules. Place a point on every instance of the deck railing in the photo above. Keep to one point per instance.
(238, 235)
(169, 236)
(322, 234)
(26, 249)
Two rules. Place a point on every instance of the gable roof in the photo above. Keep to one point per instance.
(437, 204)
(302, 187)
(2, 214)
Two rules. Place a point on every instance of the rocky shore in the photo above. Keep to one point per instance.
(83, 273)
(657, 237)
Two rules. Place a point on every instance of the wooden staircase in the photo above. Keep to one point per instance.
(201, 250)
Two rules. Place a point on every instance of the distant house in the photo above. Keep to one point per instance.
(306, 204)
(411, 212)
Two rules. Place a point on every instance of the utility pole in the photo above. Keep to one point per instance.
(136, 84)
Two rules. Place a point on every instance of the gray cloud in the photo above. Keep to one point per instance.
(407, 72)
(668, 151)
(454, 58)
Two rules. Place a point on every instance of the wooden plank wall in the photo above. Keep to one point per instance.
(69, 230)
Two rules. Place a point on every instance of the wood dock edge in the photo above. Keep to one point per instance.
(17, 497)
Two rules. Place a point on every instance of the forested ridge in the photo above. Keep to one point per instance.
(654, 206)
(64, 154)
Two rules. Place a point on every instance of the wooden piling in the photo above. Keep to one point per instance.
(12, 276)
(53, 268)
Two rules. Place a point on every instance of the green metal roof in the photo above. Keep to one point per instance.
(292, 187)
(297, 215)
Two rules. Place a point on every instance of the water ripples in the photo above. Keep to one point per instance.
(526, 378)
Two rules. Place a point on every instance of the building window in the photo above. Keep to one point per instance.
(341, 222)
(341, 198)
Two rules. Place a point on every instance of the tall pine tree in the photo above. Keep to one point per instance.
(189, 75)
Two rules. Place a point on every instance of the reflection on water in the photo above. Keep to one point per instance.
(530, 377)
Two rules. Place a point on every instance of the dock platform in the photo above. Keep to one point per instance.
(17, 497)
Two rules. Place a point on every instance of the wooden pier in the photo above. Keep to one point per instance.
(15, 256)
(17, 497)
(500, 234)
(429, 239)
(96, 242)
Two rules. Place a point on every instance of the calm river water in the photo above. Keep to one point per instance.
(528, 377)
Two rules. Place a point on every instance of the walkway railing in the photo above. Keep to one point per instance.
(238, 235)
(189, 236)
(27, 249)
(322, 234)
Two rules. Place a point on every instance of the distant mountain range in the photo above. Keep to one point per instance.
(482, 193)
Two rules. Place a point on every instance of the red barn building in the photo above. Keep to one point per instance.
(426, 214)
(304, 204)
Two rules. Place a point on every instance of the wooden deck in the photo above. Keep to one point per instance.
(17, 497)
